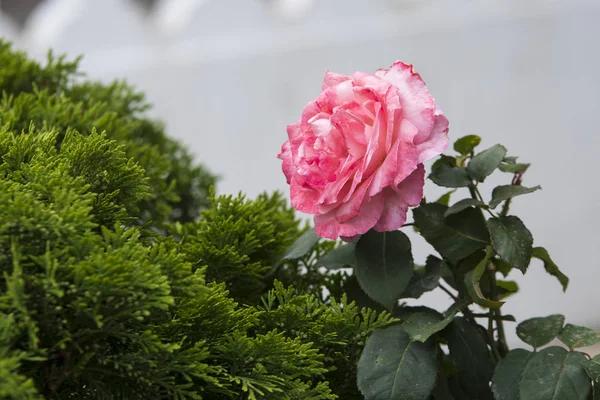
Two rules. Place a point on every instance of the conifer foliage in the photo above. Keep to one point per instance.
(122, 276)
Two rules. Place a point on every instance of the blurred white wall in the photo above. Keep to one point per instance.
(227, 76)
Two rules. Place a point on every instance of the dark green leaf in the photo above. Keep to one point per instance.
(448, 276)
(473, 277)
(593, 368)
(422, 322)
(505, 382)
(463, 273)
(502, 266)
(384, 265)
(551, 268)
(463, 204)
(505, 192)
(426, 280)
(457, 390)
(357, 295)
(454, 237)
(513, 168)
(503, 290)
(507, 288)
(470, 354)
(540, 331)
(392, 367)
(441, 391)
(555, 374)
(445, 199)
(302, 246)
(444, 172)
(339, 257)
(508, 317)
(466, 144)
(578, 336)
(463, 267)
(511, 240)
(484, 163)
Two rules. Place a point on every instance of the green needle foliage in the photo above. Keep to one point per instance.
(51, 98)
(122, 276)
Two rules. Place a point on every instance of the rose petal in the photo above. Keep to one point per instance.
(352, 131)
(399, 163)
(351, 208)
(394, 114)
(371, 81)
(287, 166)
(437, 142)
(333, 97)
(327, 226)
(312, 108)
(332, 79)
(304, 198)
(408, 154)
(376, 149)
(417, 104)
(408, 194)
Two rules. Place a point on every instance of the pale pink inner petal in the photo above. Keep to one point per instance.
(417, 103)
(437, 142)
(394, 114)
(376, 148)
(387, 171)
(351, 208)
(332, 79)
(352, 131)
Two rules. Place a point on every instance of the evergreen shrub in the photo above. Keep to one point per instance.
(124, 276)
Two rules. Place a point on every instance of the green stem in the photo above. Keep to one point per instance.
(499, 348)
(473, 192)
(493, 295)
(448, 292)
(517, 180)
(496, 316)
(505, 207)
(478, 195)
(494, 348)
(465, 310)
(502, 346)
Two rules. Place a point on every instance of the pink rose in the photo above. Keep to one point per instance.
(354, 159)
